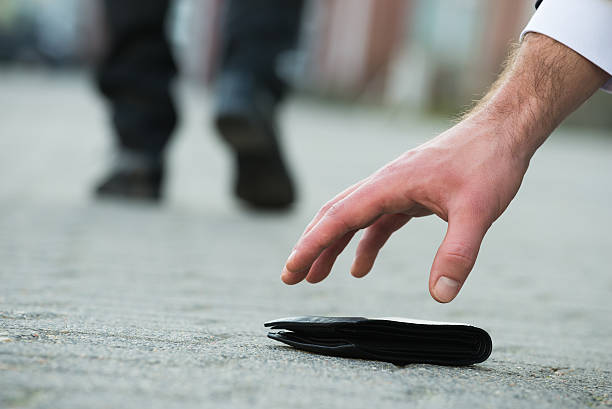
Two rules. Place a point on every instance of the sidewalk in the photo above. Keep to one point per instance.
(121, 305)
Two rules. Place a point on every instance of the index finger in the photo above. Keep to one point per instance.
(329, 204)
(357, 210)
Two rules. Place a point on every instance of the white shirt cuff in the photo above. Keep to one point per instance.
(585, 26)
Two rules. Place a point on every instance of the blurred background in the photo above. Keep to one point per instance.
(117, 304)
(430, 56)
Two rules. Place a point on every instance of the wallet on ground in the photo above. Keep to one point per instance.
(400, 341)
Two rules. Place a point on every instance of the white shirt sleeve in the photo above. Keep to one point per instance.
(585, 26)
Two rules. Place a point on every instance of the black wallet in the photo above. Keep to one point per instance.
(400, 341)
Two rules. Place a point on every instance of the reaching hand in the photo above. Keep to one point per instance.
(467, 176)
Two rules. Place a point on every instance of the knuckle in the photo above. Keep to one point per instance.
(334, 209)
(377, 200)
(392, 168)
(460, 254)
(336, 213)
(325, 208)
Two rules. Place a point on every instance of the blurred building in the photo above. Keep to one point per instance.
(40, 31)
(422, 51)
(430, 55)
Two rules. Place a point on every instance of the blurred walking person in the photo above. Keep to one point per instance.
(136, 75)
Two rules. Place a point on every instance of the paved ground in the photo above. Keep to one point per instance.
(119, 305)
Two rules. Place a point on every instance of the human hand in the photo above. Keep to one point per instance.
(467, 176)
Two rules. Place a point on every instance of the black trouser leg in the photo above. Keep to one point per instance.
(256, 32)
(136, 73)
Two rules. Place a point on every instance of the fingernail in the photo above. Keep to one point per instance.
(284, 274)
(354, 271)
(290, 259)
(446, 289)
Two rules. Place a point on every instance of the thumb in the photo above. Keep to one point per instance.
(456, 257)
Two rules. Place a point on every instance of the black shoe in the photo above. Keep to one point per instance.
(245, 119)
(133, 176)
(263, 182)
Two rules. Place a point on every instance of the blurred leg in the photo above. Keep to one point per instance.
(256, 33)
(135, 78)
(249, 89)
(136, 73)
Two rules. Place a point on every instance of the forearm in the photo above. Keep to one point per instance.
(542, 84)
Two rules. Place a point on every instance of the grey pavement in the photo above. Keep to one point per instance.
(121, 305)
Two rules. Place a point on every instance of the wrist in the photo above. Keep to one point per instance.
(512, 121)
(544, 82)
(520, 120)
